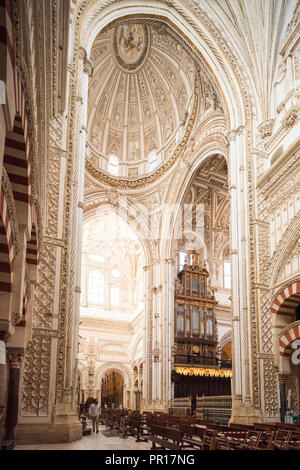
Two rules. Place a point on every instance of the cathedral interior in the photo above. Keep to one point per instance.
(149, 213)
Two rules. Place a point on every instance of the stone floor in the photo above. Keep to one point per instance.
(93, 442)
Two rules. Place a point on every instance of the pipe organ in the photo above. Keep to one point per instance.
(197, 368)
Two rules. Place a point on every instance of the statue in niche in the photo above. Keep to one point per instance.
(130, 42)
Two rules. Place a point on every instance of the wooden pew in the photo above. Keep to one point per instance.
(133, 426)
(165, 438)
(208, 441)
(219, 443)
(192, 436)
(281, 438)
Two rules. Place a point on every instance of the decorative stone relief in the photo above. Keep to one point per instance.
(53, 195)
(270, 389)
(36, 377)
(44, 292)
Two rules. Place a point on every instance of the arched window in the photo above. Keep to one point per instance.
(113, 165)
(152, 160)
(96, 287)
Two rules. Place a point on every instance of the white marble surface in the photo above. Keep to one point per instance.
(93, 442)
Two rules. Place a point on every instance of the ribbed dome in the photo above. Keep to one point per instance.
(140, 96)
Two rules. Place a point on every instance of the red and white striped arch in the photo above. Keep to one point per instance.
(287, 301)
(7, 253)
(17, 151)
(287, 338)
(17, 158)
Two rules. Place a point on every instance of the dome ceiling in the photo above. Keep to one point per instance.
(140, 96)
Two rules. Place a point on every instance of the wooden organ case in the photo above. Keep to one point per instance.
(197, 369)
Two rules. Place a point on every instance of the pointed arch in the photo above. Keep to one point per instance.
(134, 215)
(122, 369)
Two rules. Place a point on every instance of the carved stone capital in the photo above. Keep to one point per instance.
(15, 359)
(283, 378)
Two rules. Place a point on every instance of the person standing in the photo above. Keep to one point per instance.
(94, 413)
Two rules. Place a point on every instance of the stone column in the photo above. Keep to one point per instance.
(169, 328)
(48, 411)
(282, 395)
(244, 329)
(3, 375)
(237, 377)
(155, 346)
(15, 359)
(85, 71)
(146, 335)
